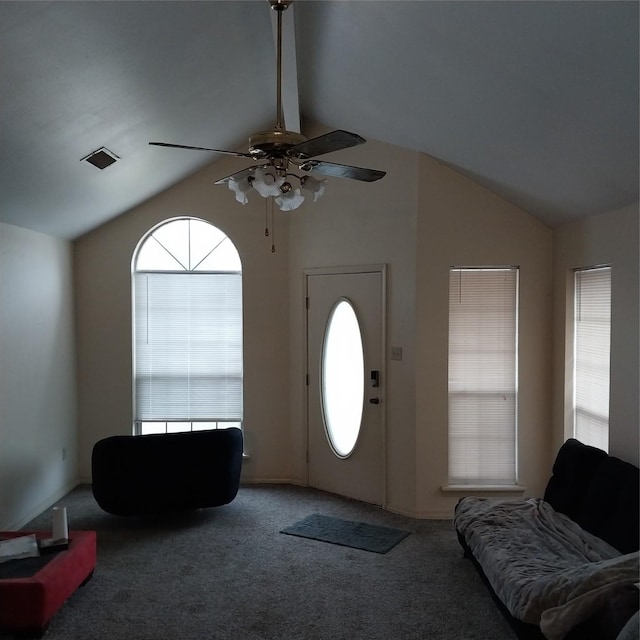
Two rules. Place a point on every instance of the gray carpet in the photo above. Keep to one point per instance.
(228, 574)
(346, 533)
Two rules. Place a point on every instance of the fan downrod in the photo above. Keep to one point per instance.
(276, 143)
(280, 5)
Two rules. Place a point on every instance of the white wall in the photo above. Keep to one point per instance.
(461, 223)
(102, 266)
(37, 374)
(611, 238)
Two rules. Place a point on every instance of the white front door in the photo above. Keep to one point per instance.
(345, 394)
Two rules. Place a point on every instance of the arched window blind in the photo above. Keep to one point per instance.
(483, 329)
(187, 328)
(592, 347)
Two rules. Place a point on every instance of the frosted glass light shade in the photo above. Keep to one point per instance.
(241, 188)
(266, 182)
(313, 187)
(290, 200)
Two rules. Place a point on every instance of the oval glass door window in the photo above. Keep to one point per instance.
(342, 378)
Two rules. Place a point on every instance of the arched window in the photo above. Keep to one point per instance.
(187, 324)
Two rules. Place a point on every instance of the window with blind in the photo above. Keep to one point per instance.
(483, 367)
(187, 305)
(592, 343)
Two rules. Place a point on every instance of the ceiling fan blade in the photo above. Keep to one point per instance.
(343, 170)
(332, 141)
(238, 175)
(237, 154)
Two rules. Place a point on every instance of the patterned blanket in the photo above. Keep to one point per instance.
(543, 566)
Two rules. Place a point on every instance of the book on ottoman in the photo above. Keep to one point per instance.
(19, 547)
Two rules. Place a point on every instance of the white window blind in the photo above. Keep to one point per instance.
(592, 335)
(188, 346)
(483, 327)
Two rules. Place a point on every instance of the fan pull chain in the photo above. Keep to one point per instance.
(273, 230)
(266, 217)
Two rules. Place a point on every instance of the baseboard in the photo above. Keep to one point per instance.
(42, 506)
(393, 508)
(419, 515)
(251, 481)
(298, 483)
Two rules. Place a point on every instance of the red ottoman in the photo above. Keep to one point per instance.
(27, 604)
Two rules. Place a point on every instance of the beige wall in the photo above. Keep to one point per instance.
(611, 238)
(357, 223)
(38, 434)
(419, 220)
(461, 223)
(103, 298)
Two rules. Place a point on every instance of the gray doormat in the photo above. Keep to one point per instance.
(359, 535)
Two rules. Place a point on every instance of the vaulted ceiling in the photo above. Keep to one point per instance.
(536, 100)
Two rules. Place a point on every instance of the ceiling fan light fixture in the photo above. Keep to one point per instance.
(290, 200)
(241, 188)
(313, 187)
(267, 182)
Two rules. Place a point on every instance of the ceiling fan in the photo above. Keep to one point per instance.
(280, 150)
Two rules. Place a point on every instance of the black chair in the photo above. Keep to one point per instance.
(159, 473)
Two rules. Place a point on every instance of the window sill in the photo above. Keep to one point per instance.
(489, 488)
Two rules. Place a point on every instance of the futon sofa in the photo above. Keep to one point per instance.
(564, 566)
(158, 473)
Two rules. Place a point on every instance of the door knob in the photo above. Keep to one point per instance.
(374, 400)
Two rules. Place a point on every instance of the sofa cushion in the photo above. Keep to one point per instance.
(610, 508)
(573, 470)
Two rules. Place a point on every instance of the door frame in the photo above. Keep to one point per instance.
(380, 268)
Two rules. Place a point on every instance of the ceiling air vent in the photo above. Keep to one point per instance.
(101, 158)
